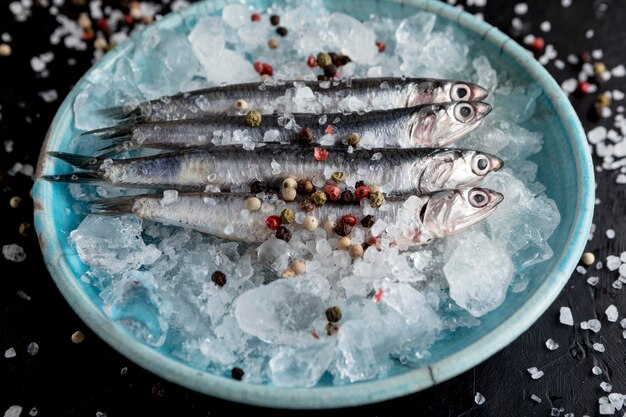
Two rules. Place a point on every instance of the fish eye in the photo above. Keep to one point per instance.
(478, 198)
(480, 164)
(464, 112)
(459, 91)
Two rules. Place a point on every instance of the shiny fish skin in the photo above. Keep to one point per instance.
(427, 125)
(421, 170)
(223, 214)
(398, 92)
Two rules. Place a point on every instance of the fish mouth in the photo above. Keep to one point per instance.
(482, 109)
(496, 163)
(494, 197)
(478, 92)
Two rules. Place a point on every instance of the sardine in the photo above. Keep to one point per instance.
(424, 126)
(223, 214)
(421, 170)
(277, 96)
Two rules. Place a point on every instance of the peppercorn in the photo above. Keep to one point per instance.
(366, 245)
(283, 234)
(361, 192)
(289, 194)
(381, 46)
(332, 329)
(77, 337)
(253, 118)
(585, 57)
(275, 20)
(329, 226)
(344, 243)
(338, 176)
(583, 87)
(241, 104)
(603, 100)
(353, 139)
(24, 229)
(305, 186)
(343, 229)
(305, 136)
(374, 188)
(100, 43)
(310, 223)
(289, 182)
(349, 219)
(332, 192)
(158, 390)
(311, 62)
(258, 186)
(255, 17)
(330, 70)
(356, 251)
(347, 196)
(538, 44)
(322, 77)
(252, 204)
(319, 198)
(282, 31)
(15, 202)
(324, 60)
(287, 216)
(359, 184)
(307, 205)
(377, 199)
(288, 273)
(84, 22)
(367, 221)
(218, 278)
(272, 222)
(272, 43)
(588, 258)
(344, 59)
(5, 49)
(320, 154)
(298, 266)
(263, 68)
(333, 314)
(237, 373)
(599, 68)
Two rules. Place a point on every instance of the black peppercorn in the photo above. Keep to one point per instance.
(367, 221)
(237, 373)
(307, 205)
(333, 314)
(258, 186)
(330, 70)
(282, 31)
(359, 184)
(343, 229)
(322, 77)
(306, 186)
(275, 20)
(347, 196)
(306, 136)
(283, 234)
(219, 278)
(334, 57)
(343, 60)
(365, 245)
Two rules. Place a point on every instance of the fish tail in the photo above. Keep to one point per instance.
(118, 133)
(121, 113)
(114, 206)
(79, 177)
(114, 149)
(79, 161)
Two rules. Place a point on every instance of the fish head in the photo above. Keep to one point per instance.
(464, 91)
(450, 211)
(439, 125)
(442, 91)
(454, 168)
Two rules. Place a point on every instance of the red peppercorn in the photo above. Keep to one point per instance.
(361, 192)
(538, 44)
(102, 24)
(255, 17)
(258, 66)
(373, 240)
(311, 62)
(332, 192)
(583, 87)
(320, 154)
(128, 19)
(330, 130)
(272, 222)
(263, 68)
(379, 295)
(381, 46)
(349, 219)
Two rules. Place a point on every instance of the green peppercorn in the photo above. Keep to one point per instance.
(287, 216)
(319, 198)
(237, 373)
(333, 314)
(324, 60)
(24, 229)
(367, 221)
(305, 136)
(258, 186)
(347, 196)
(282, 31)
(603, 100)
(332, 329)
(219, 278)
(353, 139)
(253, 118)
(307, 205)
(376, 199)
(338, 176)
(283, 234)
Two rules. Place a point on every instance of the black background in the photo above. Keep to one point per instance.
(66, 379)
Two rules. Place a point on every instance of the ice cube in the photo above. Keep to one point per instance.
(565, 316)
(611, 313)
(478, 273)
(301, 367)
(351, 37)
(235, 15)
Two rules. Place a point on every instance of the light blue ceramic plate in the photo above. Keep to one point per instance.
(564, 167)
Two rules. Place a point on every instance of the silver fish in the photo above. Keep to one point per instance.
(420, 170)
(424, 126)
(220, 214)
(267, 97)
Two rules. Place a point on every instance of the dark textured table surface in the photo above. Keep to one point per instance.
(67, 379)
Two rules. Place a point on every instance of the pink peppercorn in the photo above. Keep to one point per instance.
(311, 62)
(272, 222)
(538, 44)
(332, 192)
(320, 154)
(583, 87)
(361, 192)
(255, 17)
(381, 46)
(349, 219)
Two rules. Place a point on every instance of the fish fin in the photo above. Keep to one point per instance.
(114, 206)
(118, 133)
(114, 149)
(120, 113)
(79, 177)
(79, 161)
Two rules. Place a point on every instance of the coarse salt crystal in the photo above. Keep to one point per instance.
(566, 3)
(611, 313)
(607, 409)
(545, 26)
(10, 353)
(613, 262)
(589, 34)
(597, 54)
(535, 398)
(622, 323)
(537, 375)
(520, 8)
(610, 233)
(565, 316)
(569, 85)
(581, 270)
(606, 386)
(619, 71)
(594, 325)
(551, 344)
(584, 325)
(593, 281)
(596, 370)
(479, 398)
(599, 347)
